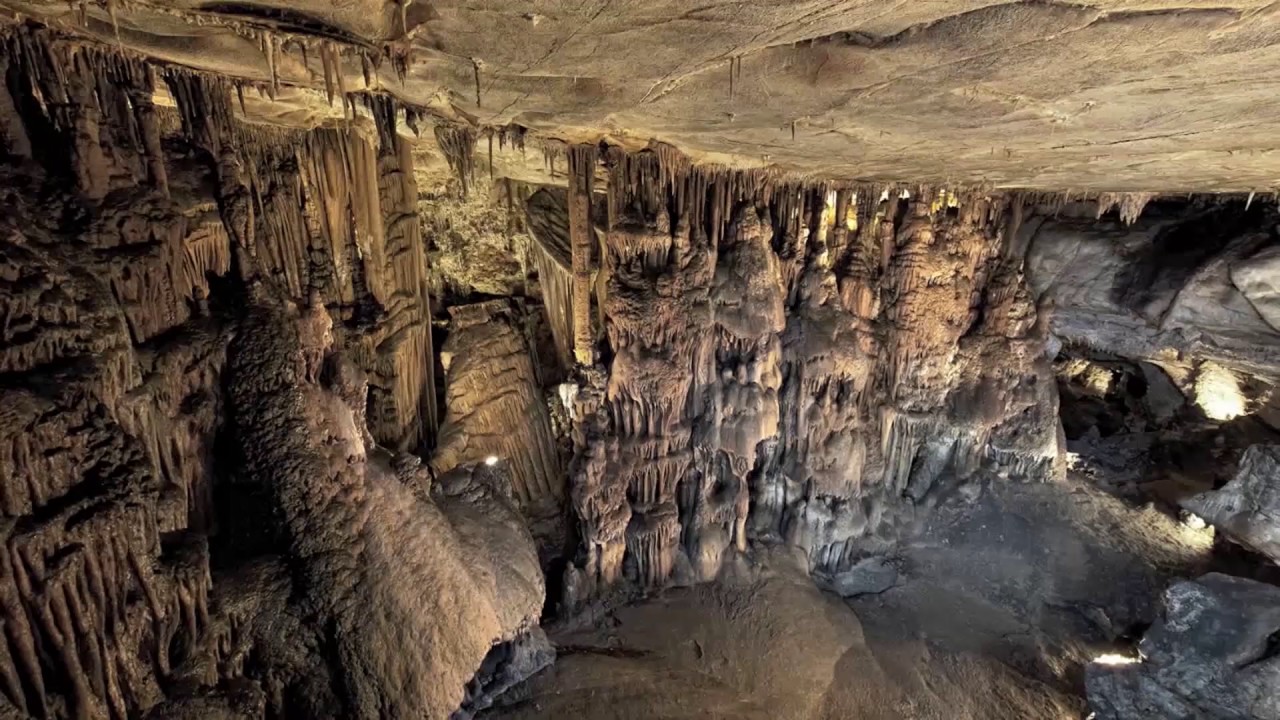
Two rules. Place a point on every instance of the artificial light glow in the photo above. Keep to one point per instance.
(1218, 392)
(491, 460)
(1116, 659)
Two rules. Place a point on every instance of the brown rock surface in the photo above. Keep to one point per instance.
(414, 579)
(164, 400)
(1107, 95)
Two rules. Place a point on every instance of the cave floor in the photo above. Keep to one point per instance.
(999, 601)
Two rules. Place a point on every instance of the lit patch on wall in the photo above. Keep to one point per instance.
(1116, 659)
(1191, 521)
(829, 218)
(1074, 462)
(491, 460)
(1218, 392)
(1099, 380)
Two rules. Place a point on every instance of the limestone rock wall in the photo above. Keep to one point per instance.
(1180, 283)
(497, 415)
(111, 393)
(339, 221)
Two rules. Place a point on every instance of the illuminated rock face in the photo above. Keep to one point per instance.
(1247, 509)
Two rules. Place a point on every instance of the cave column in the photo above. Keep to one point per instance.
(144, 111)
(840, 229)
(84, 120)
(582, 166)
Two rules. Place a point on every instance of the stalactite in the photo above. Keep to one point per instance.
(457, 144)
(270, 50)
(1131, 205)
(556, 279)
(329, 68)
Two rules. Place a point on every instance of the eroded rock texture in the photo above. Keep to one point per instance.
(1211, 655)
(1247, 509)
(1178, 285)
(110, 395)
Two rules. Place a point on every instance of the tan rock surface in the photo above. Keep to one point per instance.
(1106, 95)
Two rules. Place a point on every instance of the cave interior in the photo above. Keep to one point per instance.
(763, 361)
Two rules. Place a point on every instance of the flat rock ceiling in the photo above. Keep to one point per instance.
(1113, 95)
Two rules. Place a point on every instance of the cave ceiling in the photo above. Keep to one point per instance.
(1110, 95)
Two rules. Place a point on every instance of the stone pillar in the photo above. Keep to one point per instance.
(582, 166)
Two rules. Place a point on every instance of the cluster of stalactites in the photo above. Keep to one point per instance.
(458, 145)
(98, 100)
(1131, 205)
(274, 44)
(672, 228)
(331, 213)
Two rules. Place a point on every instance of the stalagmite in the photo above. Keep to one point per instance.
(370, 530)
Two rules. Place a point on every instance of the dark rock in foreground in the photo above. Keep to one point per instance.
(1215, 653)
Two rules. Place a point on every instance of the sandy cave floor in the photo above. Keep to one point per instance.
(999, 602)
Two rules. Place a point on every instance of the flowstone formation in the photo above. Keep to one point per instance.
(497, 416)
(413, 578)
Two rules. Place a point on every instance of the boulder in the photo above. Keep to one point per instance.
(1212, 654)
(1258, 279)
(1247, 509)
(869, 576)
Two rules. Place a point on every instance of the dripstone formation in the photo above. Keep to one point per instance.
(217, 335)
(775, 373)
